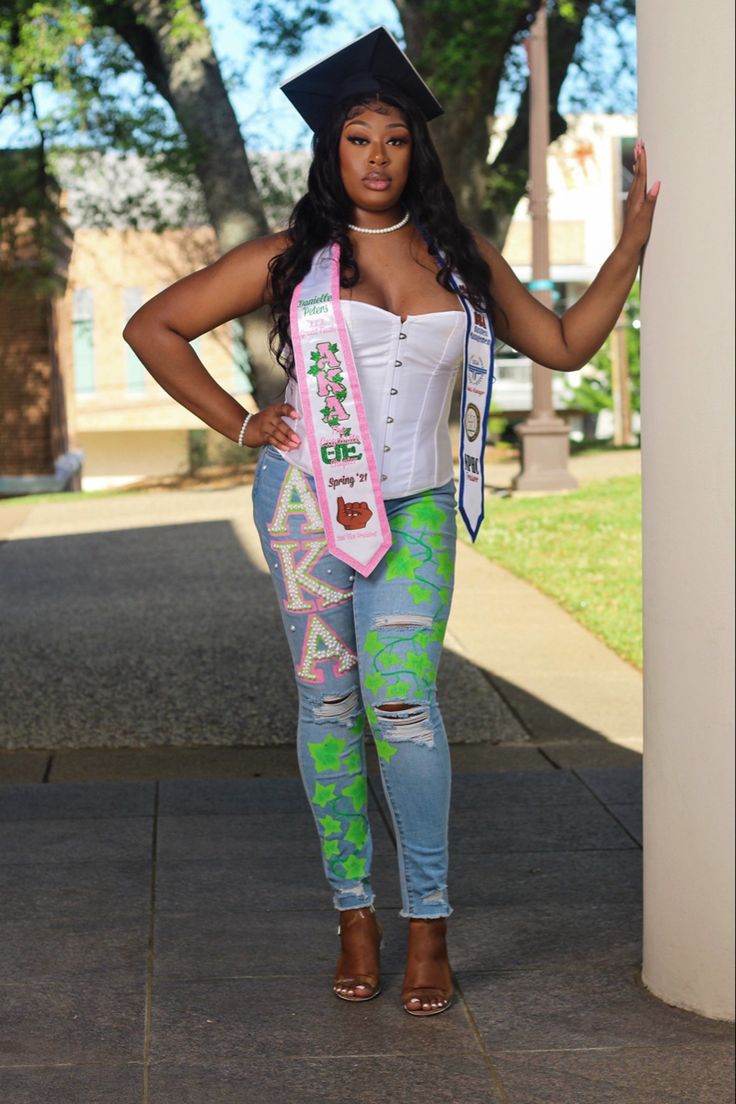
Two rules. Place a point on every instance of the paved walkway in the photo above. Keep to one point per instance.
(152, 620)
(166, 933)
(173, 943)
(583, 466)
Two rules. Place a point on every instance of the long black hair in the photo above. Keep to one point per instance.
(321, 217)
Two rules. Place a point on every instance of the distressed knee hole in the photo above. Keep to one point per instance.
(436, 897)
(402, 621)
(355, 889)
(402, 721)
(337, 707)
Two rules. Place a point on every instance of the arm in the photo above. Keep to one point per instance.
(567, 343)
(160, 332)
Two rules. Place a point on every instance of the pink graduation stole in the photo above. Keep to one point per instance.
(345, 471)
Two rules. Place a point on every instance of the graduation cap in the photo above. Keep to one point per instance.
(373, 63)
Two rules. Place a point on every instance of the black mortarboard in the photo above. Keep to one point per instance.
(372, 63)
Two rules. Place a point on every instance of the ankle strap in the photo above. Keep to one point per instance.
(349, 916)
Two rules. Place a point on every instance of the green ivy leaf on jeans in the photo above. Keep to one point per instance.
(399, 689)
(420, 593)
(323, 795)
(391, 659)
(353, 763)
(372, 644)
(400, 564)
(420, 664)
(354, 867)
(327, 752)
(357, 793)
(444, 566)
(427, 514)
(331, 826)
(384, 749)
(374, 681)
(437, 634)
(357, 833)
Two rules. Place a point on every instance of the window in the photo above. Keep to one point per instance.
(83, 349)
(241, 360)
(135, 372)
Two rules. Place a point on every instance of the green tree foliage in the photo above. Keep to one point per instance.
(35, 244)
(85, 50)
(141, 76)
(470, 52)
(96, 107)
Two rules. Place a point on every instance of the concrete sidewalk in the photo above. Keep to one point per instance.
(174, 943)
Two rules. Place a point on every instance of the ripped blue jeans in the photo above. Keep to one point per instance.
(366, 652)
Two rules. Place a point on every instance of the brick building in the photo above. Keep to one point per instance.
(70, 388)
(35, 248)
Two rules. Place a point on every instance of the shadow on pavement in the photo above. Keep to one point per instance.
(171, 635)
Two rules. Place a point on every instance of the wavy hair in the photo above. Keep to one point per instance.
(321, 217)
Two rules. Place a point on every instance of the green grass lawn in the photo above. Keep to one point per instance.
(583, 549)
(56, 496)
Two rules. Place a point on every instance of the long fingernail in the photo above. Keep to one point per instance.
(654, 190)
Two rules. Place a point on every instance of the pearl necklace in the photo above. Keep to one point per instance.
(383, 230)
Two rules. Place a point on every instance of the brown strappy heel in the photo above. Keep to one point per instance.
(369, 982)
(437, 997)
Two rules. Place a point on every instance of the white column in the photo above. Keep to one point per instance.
(686, 119)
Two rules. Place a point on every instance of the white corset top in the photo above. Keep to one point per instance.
(406, 372)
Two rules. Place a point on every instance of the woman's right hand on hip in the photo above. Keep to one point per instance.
(268, 427)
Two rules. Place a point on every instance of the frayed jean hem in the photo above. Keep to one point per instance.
(425, 915)
(344, 901)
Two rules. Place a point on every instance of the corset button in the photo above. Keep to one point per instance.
(386, 448)
(402, 336)
(397, 364)
(393, 391)
(389, 419)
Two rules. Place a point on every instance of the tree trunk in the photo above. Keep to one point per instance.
(179, 60)
(463, 61)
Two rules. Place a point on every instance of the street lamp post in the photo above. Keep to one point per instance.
(620, 382)
(544, 435)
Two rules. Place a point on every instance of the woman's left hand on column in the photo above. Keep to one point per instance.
(640, 204)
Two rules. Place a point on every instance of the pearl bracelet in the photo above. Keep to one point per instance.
(244, 426)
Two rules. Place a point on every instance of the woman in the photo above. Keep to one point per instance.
(410, 284)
